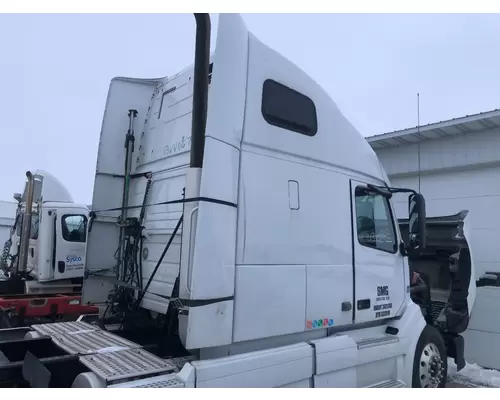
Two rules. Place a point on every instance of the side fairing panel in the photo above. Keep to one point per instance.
(209, 240)
(124, 94)
(212, 268)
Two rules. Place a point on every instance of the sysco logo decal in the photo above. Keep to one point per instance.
(73, 259)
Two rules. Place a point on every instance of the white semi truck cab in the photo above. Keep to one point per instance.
(46, 249)
(243, 235)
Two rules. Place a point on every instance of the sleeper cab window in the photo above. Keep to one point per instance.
(74, 228)
(288, 109)
(374, 221)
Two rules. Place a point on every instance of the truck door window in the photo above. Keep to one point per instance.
(374, 221)
(74, 228)
(35, 223)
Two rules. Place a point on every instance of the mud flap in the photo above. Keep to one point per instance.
(5, 322)
(455, 345)
(34, 372)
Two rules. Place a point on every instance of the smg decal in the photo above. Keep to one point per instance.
(319, 323)
(382, 293)
(382, 310)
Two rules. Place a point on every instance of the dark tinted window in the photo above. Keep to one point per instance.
(288, 109)
(74, 228)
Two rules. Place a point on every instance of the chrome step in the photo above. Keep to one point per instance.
(169, 381)
(388, 385)
(376, 341)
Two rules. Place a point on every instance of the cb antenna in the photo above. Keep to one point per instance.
(418, 134)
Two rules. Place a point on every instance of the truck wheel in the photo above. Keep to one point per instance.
(430, 366)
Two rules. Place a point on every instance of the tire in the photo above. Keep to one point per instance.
(431, 362)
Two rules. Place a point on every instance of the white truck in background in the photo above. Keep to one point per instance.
(245, 237)
(44, 255)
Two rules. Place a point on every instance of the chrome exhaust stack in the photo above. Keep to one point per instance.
(26, 227)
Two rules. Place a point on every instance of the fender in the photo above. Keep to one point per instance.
(448, 278)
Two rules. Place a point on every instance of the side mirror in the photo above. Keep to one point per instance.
(487, 280)
(91, 221)
(18, 197)
(416, 224)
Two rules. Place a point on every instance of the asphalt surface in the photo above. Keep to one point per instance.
(458, 381)
(457, 385)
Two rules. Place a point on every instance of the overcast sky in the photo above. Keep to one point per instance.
(55, 71)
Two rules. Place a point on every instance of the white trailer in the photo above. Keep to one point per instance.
(244, 236)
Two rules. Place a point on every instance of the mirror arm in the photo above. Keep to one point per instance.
(401, 190)
(381, 190)
(403, 249)
(385, 189)
(92, 216)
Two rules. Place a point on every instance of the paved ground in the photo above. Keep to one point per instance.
(456, 385)
(457, 381)
(472, 376)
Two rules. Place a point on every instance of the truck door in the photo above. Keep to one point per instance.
(379, 283)
(71, 235)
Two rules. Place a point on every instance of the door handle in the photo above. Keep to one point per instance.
(364, 304)
(346, 306)
(61, 267)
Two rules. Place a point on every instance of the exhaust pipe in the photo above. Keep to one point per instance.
(26, 227)
(200, 89)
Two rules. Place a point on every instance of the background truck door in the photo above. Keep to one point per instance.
(71, 235)
(378, 263)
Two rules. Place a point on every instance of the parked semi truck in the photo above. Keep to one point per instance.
(243, 235)
(43, 260)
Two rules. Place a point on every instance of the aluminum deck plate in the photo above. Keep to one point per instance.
(124, 364)
(88, 342)
(61, 328)
(83, 338)
(156, 382)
